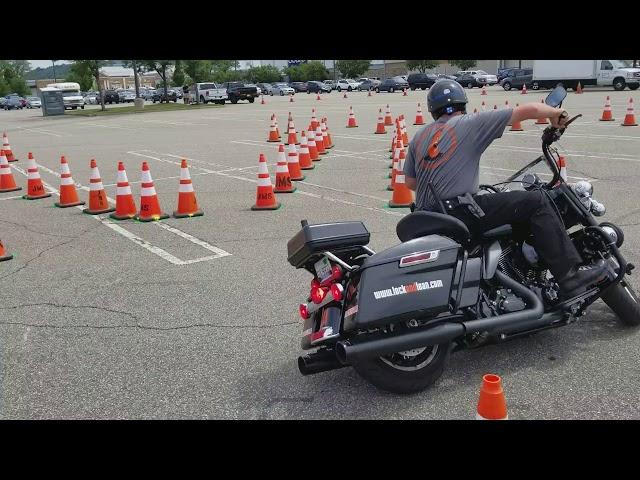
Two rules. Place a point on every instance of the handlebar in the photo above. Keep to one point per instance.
(550, 135)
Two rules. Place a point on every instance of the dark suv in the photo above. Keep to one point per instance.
(110, 96)
(392, 84)
(421, 80)
(516, 78)
(298, 86)
(159, 96)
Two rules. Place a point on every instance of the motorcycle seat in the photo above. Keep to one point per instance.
(501, 231)
(421, 223)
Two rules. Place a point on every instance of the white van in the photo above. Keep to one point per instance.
(616, 73)
(70, 94)
(208, 92)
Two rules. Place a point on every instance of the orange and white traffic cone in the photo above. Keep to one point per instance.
(419, 117)
(125, 204)
(484, 90)
(149, 204)
(345, 94)
(325, 136)
(293, 164)
(491, 403)
(320, 141)
(483, 107)
(630, 117)
(394, 169)
(273, 132)
(283, 178)
(495, 107)
(393, 144)
(506, 104)
(187, 203)
(4, 256)
(7, 182)
(542, 121)
(7, 149)
(314, 120)
(292, 135)
(405, 135)
(265, 197)
(402, 196)
(388, 120)
(318, 96)
(262, 102)
(98, 202)
(313, 149)
(68, 192)
(607, 114)
(291, 98)
(404, 92)
(562, 165)
(275, 120)
(475, 110)
(380, 127)
(35, 188)
(517, 125)
(579, 88)
(369, 93)
(524, 89)
(326, 126)
(304, 158)
(351, 123)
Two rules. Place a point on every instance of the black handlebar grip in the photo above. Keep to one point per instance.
(304, 223)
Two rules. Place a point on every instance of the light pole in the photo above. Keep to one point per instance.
(54, 71)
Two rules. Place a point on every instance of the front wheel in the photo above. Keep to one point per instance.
(506, 86)
(619, 84)
(623, 300)
(391, 90)
(339, 89)
(405, 372)
(251, 100)
(377, 90)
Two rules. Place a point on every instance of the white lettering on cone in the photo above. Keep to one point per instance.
(409, 288)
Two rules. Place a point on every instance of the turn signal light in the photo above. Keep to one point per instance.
(336, 291)
(318, 294)
(304, 311)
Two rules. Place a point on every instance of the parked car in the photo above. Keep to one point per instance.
(469, 81)
(331, 84)
(282, 88)
(392, 84)
(482, 77)
(126, 96)
(159, 96)
(503, 72)
(447, 77)
(517, 78)
(421, 80)
(208, 92)
(33, 102)
(111, 96)
(266, 88)
(239, 91)
(368, 84)
(13, 101)
(314, 86)
(347, 84)
(298, 86)
(91, 98)
(178, 90)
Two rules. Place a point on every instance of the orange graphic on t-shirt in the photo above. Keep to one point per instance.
(434, 151)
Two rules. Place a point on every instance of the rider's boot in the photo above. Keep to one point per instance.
(581, 277)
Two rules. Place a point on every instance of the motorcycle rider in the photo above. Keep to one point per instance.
(446, 154)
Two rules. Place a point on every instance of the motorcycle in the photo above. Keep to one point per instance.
(395, 316)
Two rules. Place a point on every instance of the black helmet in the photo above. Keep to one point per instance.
(445, 93)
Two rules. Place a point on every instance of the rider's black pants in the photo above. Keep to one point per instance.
(522, 209)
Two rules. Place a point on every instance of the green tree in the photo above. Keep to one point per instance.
(422, 65)
(160, 67)
(314, 70)
(294, 73)
(265, 73)
(4, 87)
(138, 69)
(81, 74)
(13, 72)
(464, 64)
(352, 68)
(94, 67)
(178, 78)
(198, 70)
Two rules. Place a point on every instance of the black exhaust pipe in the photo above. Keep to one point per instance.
(375, 345)
(320, 361)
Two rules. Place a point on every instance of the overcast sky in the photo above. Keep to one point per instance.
(44, 63)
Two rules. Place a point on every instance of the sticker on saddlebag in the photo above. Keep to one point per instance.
(409, 288)
(351, 311)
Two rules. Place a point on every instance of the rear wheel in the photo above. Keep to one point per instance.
(506, 86)
(391, 89)
(410, 371)
(623, 300)
(251, 100)
(377, 90)
(634, 86)
(470, 85)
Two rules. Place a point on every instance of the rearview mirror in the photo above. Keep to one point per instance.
(557, 95)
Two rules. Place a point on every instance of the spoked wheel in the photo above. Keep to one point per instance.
(409, 371)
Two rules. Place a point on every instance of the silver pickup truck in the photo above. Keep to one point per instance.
(207, 92)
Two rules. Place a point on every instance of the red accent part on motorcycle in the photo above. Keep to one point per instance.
(304, 311)
(337, 291)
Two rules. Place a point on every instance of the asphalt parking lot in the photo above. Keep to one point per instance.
(197, 318)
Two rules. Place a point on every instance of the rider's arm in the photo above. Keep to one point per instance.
(535, 111)
(410, 182)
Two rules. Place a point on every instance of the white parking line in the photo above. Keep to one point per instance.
(43, 131)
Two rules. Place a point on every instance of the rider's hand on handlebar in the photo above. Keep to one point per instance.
(559, 120)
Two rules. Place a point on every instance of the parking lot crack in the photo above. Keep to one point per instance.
(29, 229)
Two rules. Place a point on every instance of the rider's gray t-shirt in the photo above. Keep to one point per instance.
(454, 169)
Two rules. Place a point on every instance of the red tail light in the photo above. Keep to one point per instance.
(315, 283)
(318, 294)
(337, 291)
(304, 311)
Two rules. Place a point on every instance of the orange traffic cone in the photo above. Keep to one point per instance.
(491, 404)
(7, 149)
(187, 203)
(402, 195)
(388, 120)
(290, 101)
(579, 89)
(524, 89)
(404, 92)
(98, 202)
(293, 164)
(304, 158)
(630, 117)
(35, 188)
(495, 107)
(68, 192)
(4, 256)
(380, 127)
(273, 132)
(125, 204)
(292, 135)
(7, 182)
(320, 141)
(369, 93)
(506, 104)
(326, 126)
(275, 120)
(484, 90)
(314, 120)
(394, 168)
(483, 106)
(325, 136)
(475, 110)
(262, 102)
(541, 121)
(345, 94)
(517, 126)
(149, 204)
(607, 114)
(283, 179)
(419, 117)
(318, 96)
(405, 136)
(265, 197)
(393, 144)
(311, 142)
(562, 165)
(352, 119)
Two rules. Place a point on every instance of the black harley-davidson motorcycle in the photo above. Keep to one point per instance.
(396, 315)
